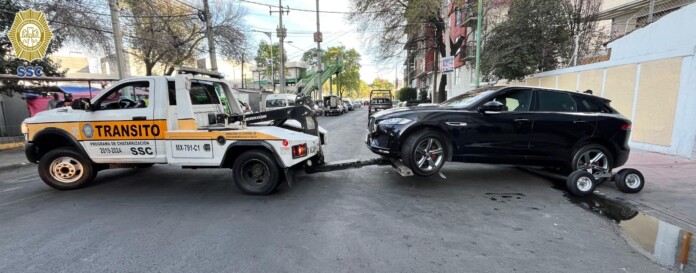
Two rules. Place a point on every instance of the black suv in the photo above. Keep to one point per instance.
(505, 125)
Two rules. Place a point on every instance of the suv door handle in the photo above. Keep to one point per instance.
(140, 118)
(521, 120)
(579, 121)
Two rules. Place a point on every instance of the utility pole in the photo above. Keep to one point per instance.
(477, 80)
(318, 38)
(118, 40)
(243, 72)
(209, 33)
(281, 35)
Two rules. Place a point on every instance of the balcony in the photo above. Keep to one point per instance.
(468, 53)
(470, 13)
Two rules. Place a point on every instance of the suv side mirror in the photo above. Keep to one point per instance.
(493, 106)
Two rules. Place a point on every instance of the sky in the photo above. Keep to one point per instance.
(300, 25)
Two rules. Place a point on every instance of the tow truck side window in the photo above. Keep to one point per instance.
(126, 96)
(203, 93)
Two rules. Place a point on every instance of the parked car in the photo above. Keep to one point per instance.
(318, 108)
(348, 106)
(570, 131)
(277, 101)
(333, 106)
(357, 104)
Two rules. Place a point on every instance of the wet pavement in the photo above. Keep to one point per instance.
(481, 218)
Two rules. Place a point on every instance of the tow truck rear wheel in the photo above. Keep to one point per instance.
(65, 169)
(255, 172)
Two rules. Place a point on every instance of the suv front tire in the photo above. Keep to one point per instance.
(425, 152)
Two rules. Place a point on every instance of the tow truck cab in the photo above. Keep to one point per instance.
(189, 120)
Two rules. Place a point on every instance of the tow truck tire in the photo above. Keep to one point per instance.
(256, 172)
(629, 180)
(581, 183)
(66, 169)
(425, 145)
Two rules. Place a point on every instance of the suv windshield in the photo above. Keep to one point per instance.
(466, 100)
(276, 103)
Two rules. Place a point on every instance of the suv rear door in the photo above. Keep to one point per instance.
(560, 122)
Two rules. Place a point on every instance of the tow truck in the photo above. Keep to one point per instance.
(191, 119)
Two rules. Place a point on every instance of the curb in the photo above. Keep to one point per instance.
(11, 145)
(15, 166)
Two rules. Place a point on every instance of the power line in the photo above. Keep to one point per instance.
(308, 10)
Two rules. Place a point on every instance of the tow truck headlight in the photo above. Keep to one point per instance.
(395, 121)
(24, 128)
(299, 151)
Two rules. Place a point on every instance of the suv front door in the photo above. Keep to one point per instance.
(501, 137)
(120, 127)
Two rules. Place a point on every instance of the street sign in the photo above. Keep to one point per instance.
(282, 32)
(447, 64)
(318, 37)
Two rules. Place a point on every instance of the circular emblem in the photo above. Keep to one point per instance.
(30, 35)
(87, 130)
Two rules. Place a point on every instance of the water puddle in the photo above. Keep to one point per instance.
(665, 243)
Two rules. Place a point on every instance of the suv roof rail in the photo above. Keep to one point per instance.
(198, 71)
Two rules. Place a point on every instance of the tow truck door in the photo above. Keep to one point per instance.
(121, 125)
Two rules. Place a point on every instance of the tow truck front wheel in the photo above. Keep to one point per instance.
(65, 169)
(255, 172)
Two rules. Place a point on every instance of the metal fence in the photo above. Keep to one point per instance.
(642, 13)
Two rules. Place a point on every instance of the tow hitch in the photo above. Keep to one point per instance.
(356, 164)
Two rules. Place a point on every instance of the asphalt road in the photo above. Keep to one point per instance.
(165, 219)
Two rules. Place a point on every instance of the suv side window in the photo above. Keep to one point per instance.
(126, 96)
(550, 101)
(588, 105)
(517, 100)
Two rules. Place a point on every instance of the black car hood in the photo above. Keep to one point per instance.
(401, 111)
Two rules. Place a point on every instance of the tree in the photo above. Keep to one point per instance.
(587, 37)
(407, 94)
(348, 80)
(9, 62)
(310, 57)
(263, 58)
(533, 38)
(168, 33)
(363, 90)
(381, 84)
(423, 96)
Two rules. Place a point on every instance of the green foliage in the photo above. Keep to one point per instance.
(381, 84)
(423, 96)
(407, 94)
(263, 57)
(310, 57)
(532, 39)
(347, 82)
(9, 63)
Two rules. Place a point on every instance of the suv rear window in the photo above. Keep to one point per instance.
(588, 105)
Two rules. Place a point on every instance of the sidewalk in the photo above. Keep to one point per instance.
(670, 188)
(13, 158)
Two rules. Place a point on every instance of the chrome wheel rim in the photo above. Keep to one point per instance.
(593, 161)
(255, 173)
(429, 154)
(584, 184)
(66, 169)
(633, 181)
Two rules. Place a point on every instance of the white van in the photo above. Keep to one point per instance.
(276, 101)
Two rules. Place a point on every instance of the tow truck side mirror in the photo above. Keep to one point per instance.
(82, 104)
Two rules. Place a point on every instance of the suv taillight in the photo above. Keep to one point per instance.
(626, 126)
(299, 151)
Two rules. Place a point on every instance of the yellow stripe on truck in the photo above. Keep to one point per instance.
(246, 135)
(106, 130)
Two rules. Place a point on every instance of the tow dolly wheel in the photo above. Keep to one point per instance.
(629, 180)
(255, 172)
(581, 183)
